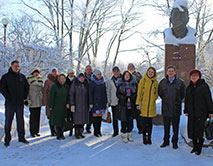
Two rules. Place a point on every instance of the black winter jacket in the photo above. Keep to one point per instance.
(172, 95)
(198, 105)
(97, 94)
(14, 87)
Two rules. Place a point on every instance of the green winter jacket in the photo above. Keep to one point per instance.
(57, 103)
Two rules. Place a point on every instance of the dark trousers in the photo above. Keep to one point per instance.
(167, 121)
(35, 120)
(127, 126)
(59, 131)
(139, 123)
(114, 119)
(146, 124)
(10, 110)
(90, 121)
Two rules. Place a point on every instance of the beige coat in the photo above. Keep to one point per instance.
(35, 91)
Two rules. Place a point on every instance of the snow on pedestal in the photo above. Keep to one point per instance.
(190, 38)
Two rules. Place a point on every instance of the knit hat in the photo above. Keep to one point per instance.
(96, 72)
(51, 69)
(195, 71)
(115, 68)
(71, 71)
(34, 70)
(130, 64)
(81, 74)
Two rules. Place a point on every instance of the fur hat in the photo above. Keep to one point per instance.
(34, 70)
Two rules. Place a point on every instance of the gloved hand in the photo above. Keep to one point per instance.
(72, 108)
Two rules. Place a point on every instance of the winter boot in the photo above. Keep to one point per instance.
(77, 133)
(144, 134)
(124, 137)
(95, 126)
(149, 131)
(59, 133)
(81, 132)
(70, 134)
(199, 147)
(52, 130)
(99, 126)
(129, 137)
(195, 145)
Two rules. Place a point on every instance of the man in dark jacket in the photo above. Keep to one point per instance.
(172, 91)
(14, 88)
(88, 73)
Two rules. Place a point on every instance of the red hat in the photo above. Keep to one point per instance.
(195, 71)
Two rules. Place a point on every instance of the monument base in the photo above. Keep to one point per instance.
(182, 57)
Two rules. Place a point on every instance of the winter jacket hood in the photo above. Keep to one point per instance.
(96, 80)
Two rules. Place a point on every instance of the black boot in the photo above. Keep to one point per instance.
(149, 131)
(199, 147)
(95, 126)
(195, 145)
(59, 133)
(52, 129)
(77, 132)
(143, 127)
(99, 126)
(70, 134)
(81, 130)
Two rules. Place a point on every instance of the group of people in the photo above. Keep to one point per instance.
(85, 98)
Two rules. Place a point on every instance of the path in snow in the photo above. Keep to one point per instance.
(46, 150)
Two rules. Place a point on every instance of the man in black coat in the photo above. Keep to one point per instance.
(172, 91)
(14, 88)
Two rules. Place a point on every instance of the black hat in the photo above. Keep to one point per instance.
(115, 68)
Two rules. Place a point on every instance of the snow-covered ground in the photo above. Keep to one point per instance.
(46, 150)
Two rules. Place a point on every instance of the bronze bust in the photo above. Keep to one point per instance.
(179, 20)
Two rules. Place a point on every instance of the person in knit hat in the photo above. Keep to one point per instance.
(198, 107)
(97, 100)
(34, 100)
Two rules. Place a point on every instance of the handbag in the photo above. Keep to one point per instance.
(68, 124)
(106, 117)
(209, 129)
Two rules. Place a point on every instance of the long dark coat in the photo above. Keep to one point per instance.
(198, 105)
(57, 102)
(97, 94)
(122, 98)
(172, 95)
(14, 87)
(79, 97)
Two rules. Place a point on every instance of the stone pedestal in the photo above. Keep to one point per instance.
(182, 57)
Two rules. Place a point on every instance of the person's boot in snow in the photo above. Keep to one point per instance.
(52, 130)
(77, 133)
(144, 135)
(199, 147)
(81, 132)
(129, 137)
(95, 126)
(99, 126)
(149, 131)
(195, 145)
(124, 137)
